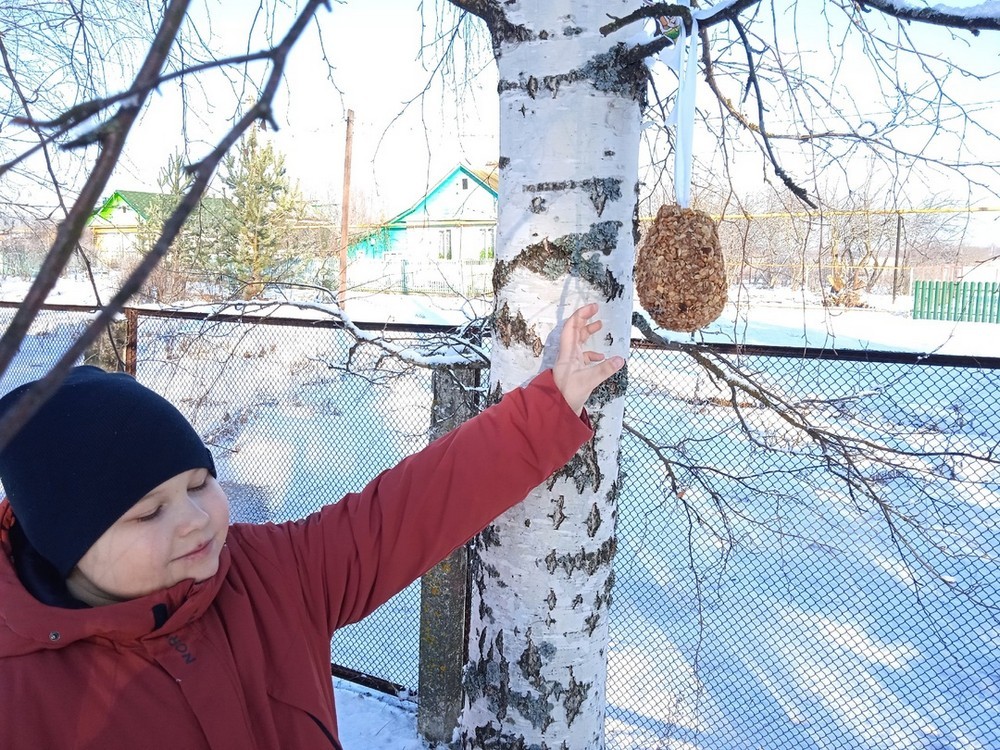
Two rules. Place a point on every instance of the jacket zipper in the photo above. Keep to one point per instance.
(333, 742)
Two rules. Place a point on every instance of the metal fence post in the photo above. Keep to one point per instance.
(444, 589)
(112, 348)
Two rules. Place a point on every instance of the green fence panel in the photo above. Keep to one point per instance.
(961, 301)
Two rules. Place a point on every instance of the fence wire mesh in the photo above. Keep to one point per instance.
(808, 549)
(821, 575)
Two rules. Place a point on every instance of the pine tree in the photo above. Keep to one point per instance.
(193, 255)
(262, 245)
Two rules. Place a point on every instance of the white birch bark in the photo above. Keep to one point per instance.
(542, 574)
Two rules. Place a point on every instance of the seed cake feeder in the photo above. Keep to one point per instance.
(680, 272)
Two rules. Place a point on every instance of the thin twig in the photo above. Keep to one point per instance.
(202, 172)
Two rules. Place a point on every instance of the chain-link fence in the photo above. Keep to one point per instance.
(296, 417)
(808, 548)
(808, 554)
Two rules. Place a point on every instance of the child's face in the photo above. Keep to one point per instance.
(174, 533)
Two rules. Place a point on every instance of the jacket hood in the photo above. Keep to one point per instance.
(27, 625)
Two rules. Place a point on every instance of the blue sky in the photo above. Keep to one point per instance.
(374, 49)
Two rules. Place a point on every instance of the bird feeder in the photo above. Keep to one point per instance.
(680, 273)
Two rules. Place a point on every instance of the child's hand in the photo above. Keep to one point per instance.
(577, 372)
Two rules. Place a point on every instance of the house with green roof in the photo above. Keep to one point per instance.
(454, 221)
(115, 226)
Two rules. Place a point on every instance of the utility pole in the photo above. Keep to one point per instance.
(895, 263)
(345, 211)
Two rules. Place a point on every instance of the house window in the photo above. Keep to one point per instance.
(444, 250)
(489, 243)
(465, 183)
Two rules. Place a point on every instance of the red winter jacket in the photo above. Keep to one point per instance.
(243, 659)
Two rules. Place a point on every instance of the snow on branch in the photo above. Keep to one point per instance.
(982, 17)
(453, 348)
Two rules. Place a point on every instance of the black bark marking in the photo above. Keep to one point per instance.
(636, 234)
(532, 87)
(485, 611)
(575, 697)
(489, 677)
(611, 499)
(537, 205)
(536, 709)
(614, 72)
(532, 659)
(601, 189)
(503, 162)
(502, 31)
(612, 388)
(510, 329)
(593, 521)
(577, 601)
(557, 515)
(583, 469)
(490, 738)
(587, 561)
(490, 537)
(551, 600)
(570, 254)
(478, 576)
(572, 31)
(592, 621)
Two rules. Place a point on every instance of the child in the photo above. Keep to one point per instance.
(132, 615)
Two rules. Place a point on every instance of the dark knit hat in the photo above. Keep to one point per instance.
(90, 453)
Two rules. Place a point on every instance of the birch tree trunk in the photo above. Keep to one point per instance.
(570, 104)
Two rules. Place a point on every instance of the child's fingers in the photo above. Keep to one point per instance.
(576, 330)
(593, 328)
(593, 356)
(602, 371)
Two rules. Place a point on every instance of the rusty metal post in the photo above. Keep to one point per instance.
(110, 350)
(444, 589)
(131, 339)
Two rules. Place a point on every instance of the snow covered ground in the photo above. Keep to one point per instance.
(807, 638)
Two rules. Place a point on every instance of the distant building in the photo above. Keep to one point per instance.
(116, 225)
(454, 221)
(984, 271)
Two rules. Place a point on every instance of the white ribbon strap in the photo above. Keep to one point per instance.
(687, 69)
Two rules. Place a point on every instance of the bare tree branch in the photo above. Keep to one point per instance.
(796, 190)
(839, 453)
(202, 171)
(496, 20)
(935, 16)
(70, 229)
